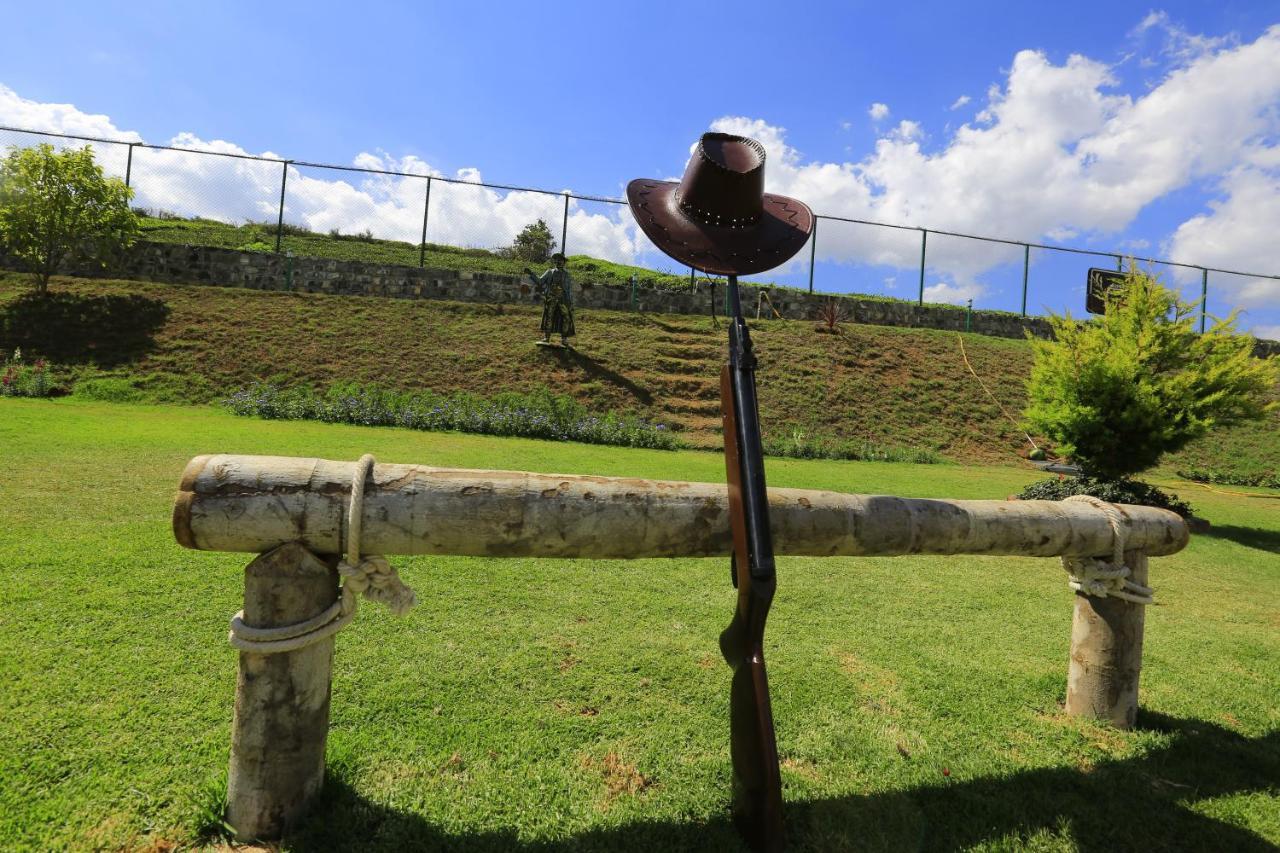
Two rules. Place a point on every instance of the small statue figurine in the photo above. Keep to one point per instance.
(557, 301)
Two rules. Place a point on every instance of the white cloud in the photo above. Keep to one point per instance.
(1061, 155)
(1154, 18)
(1271, 333)
(62, 118)
(232, 189)
(1178, 44)
(878, 111)
(1239, 231)
(906, 131)
(956, 294)
(960, 102)
(58, 118)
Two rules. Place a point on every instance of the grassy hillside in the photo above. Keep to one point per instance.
(886, 386)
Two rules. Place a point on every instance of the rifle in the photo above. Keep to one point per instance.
(757, 782)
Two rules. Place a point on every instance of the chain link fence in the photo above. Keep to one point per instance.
(431, 220)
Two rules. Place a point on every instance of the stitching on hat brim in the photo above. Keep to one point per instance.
(736, 243)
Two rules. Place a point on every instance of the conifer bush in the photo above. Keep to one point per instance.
(1118, 392)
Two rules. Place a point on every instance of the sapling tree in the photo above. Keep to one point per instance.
(1116, 393)
(57, 207)
(534, 242)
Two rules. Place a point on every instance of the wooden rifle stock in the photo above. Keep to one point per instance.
(756, 778)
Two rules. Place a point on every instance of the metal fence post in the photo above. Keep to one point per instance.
(1119, 263)
(128, 165)
(924, 243)
(1204, 296)
(813, 250)
(426, 208)
(284, 178)
(1026, 268)
(564, 230)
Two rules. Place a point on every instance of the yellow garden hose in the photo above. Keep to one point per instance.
(1005, 411)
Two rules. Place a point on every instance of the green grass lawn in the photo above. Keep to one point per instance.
(537, 705)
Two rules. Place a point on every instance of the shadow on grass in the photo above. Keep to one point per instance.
(1142, 803)
(596, 370)
(70, 328)
(674, 327)
(1250, 537)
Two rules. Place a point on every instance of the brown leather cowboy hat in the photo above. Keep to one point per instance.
(718, 218)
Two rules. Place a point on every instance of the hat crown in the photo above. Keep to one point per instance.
(723, 184)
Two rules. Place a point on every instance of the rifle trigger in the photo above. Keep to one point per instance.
(733, 568)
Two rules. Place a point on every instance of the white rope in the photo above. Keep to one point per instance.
(1102, 578)
(373, 577)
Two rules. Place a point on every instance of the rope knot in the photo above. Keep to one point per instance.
(1100, 578)
(373, 577)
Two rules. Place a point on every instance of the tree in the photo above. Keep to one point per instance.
(534, 243)
(1118, 392)
(58, 208)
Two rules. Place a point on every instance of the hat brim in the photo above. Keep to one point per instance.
(782, 230)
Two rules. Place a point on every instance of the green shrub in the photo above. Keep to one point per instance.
(534, 243)
(540, 414)
(18, 379)
(1266, 480)
(109, 389)
(157, 387)
(159, 213)
(802, 445)
(285, 229)
(1117, 393)
(1121, 491)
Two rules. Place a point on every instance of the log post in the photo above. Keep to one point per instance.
(1106, 653)
(282, 700)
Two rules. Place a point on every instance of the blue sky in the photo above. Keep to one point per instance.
(1105, 125)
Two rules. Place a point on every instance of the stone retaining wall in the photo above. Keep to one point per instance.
(179, 264)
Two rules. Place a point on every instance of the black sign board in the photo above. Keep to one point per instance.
(1100, 284)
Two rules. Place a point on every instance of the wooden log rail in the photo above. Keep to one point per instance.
(254, 503)
(290, 510)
